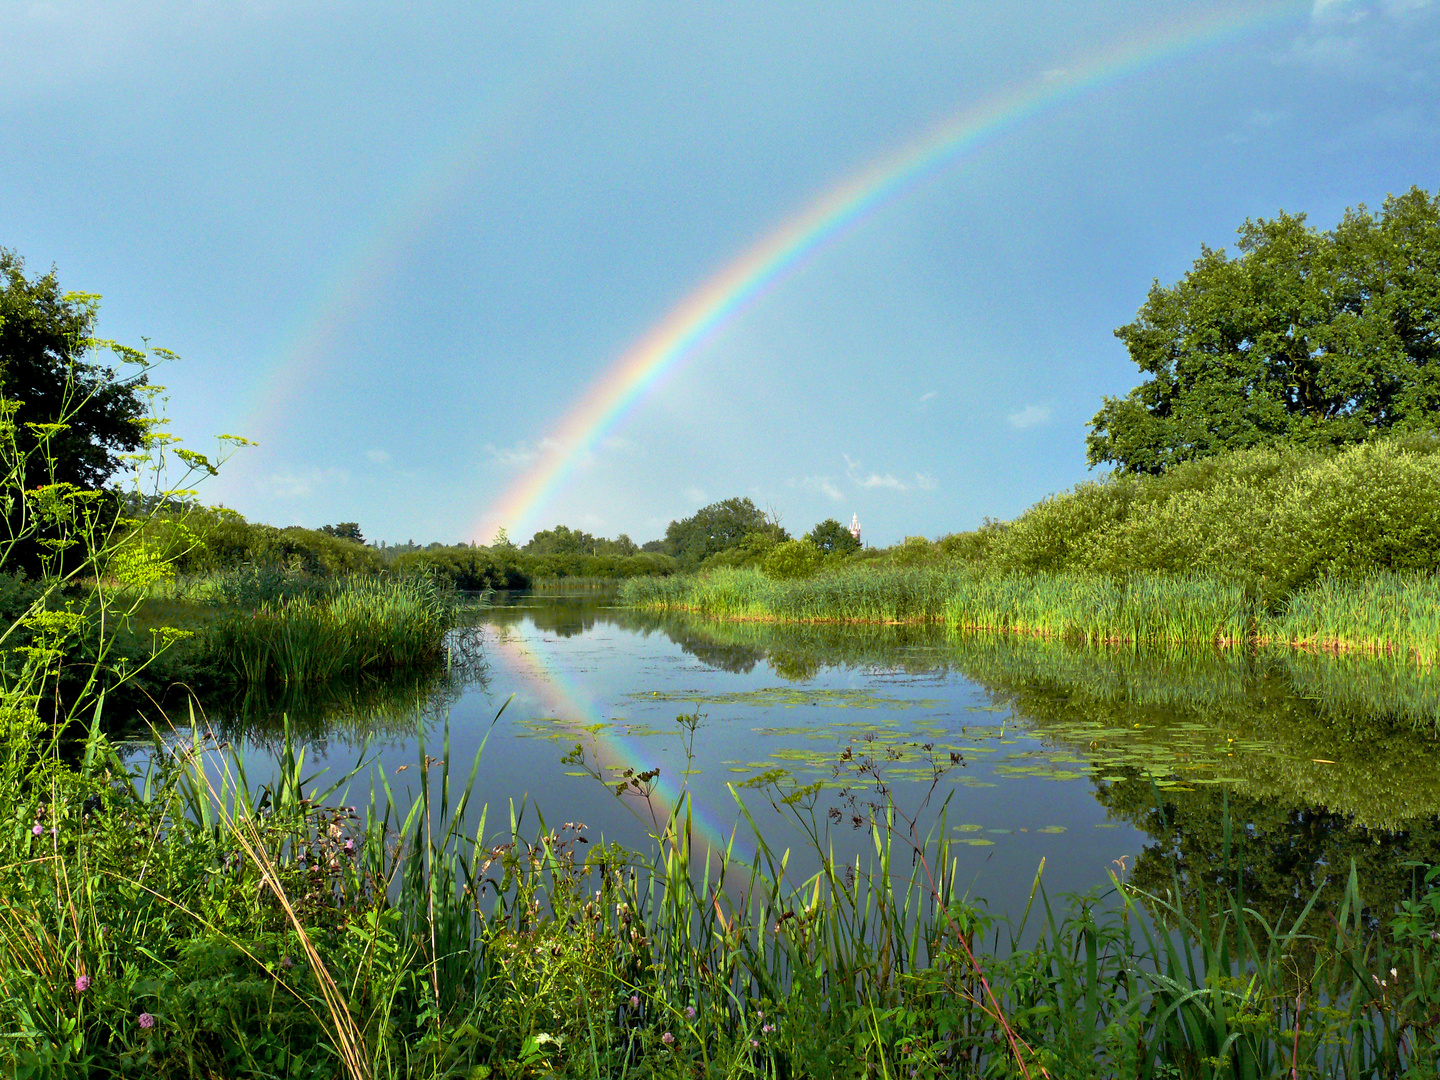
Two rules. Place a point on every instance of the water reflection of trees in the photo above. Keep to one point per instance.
(1356, 736)
(1274, 853)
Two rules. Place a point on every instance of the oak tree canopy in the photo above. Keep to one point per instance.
(1305, 337)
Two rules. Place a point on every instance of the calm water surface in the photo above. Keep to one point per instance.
(1172, 766)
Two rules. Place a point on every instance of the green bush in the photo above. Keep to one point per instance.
(1281, 518)
(468, 568)
(793, 560)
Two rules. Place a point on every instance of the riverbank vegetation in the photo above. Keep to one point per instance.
(1331, 549)
(180, 923)
(1277, 473)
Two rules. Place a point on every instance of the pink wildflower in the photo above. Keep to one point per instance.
(147, 1021)
(82, 983)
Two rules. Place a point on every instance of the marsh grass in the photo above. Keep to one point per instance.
(359, 625)
(1386, 612)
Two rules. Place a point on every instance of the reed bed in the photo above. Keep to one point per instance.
(179, 922)
(360, 625)
(1385, 612)
(1087, 607)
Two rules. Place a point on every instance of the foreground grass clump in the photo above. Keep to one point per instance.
(357, 625)
(179, 923)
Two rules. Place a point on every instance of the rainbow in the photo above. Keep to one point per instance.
(307, 347)
(698, 317)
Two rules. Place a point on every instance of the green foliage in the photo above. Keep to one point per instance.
(1382, 613)
(915, 551)
(562, 540)
(1279, 518)
(793, 559)
(971, 546)
(469, 568)
(833, 538)
(1307, 339)
(196, 539)
(345, 530)
(351, 626)
(44, 339)
(751, 551)
(718, 527)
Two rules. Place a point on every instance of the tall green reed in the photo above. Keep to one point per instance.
(1384, 612)
(362, 624)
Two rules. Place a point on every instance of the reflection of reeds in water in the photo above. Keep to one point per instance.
(1356, 734)
(363, 708)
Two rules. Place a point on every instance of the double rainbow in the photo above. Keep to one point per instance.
(781, 251)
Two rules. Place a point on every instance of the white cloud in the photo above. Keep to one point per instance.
(697, 496)
(927, 396)
(50, 44)
(302, 484)
(870, 479)
(1030, 416)
(825, 486)
(377, 457)
(876, 480)
(1260, 119)
(1051, 74)
(520, 456)
(1369, 39)
(1325, 10)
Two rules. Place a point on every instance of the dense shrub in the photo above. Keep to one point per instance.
(792, 560)
(1281, 518)
(471, 569)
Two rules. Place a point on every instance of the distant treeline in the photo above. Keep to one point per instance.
(203, 540)
(1274, 518)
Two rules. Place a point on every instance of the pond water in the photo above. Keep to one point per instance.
(1171, 767)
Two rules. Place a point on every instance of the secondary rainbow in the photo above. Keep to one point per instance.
(780, 252)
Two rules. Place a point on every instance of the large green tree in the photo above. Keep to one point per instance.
(44, 348)
(1305, 337)
(830, 536)
(68, 418)
(718, 527)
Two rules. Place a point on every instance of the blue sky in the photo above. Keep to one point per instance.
(395, 247)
